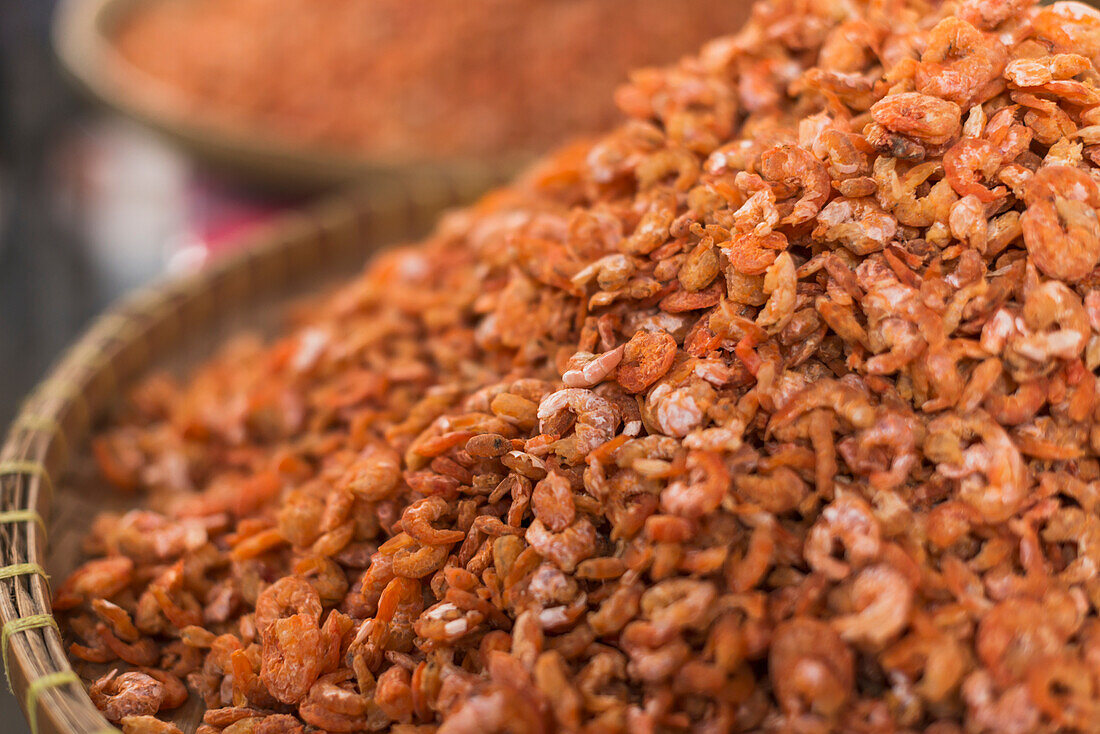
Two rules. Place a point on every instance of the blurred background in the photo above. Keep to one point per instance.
(91, 204)
(141, 138)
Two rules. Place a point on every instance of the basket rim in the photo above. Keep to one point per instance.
(81, 38)
(55, 419)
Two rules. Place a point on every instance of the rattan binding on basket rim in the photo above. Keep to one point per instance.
(56, 418)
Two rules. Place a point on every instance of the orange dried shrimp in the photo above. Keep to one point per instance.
(773, 410)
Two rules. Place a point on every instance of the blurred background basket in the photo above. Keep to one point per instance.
(44, 511)
(82, 38)
(297, 94)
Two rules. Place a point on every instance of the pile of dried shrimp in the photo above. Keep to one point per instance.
(772, 410)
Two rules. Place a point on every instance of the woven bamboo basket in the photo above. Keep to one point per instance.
(45, 508)
(82, 40)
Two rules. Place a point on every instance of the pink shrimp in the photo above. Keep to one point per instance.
(147, 725)
(289, 595)
(883, 599)
(1060, 225)
(417, 520)
(567, 548)
(128, 694)
(103, 577)
(991, 472)
(117, 618)
(596, 417)
(290, 662)
(593, 369)
(144, 652)
(496, 711)
(965, 160)
(849, 521)
(708, 486)
(795, 168)
(961, 64)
